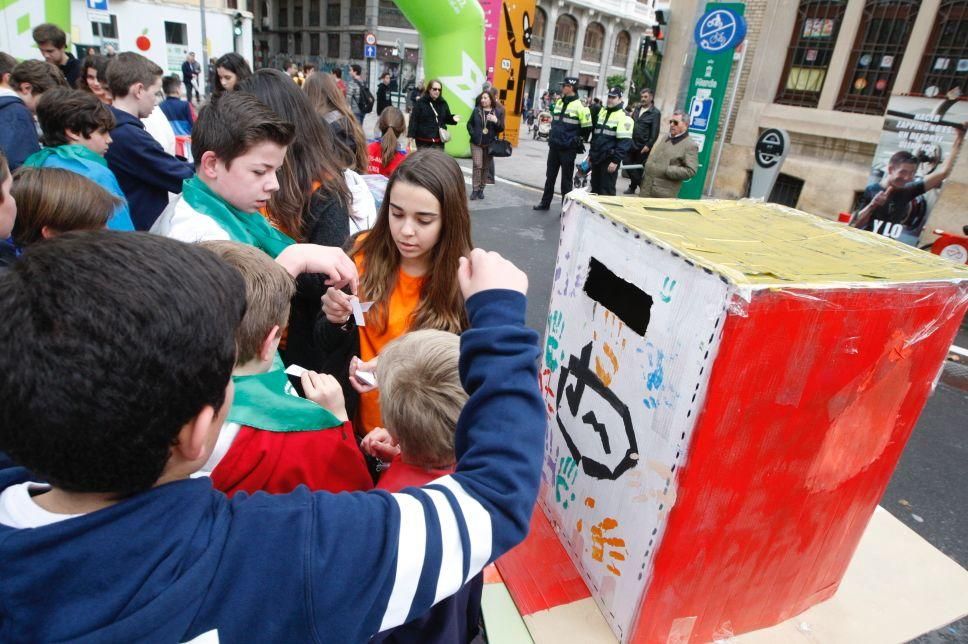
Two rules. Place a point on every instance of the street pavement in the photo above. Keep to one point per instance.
(927, 493)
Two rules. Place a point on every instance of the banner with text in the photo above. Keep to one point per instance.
(719, 31)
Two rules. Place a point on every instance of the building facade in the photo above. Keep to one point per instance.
(589, 39)
(824, 70)
(330, 33)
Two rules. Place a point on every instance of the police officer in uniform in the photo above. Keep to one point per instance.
(571, 123)
(611, 139)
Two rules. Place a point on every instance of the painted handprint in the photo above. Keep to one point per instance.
(613, 546)
(556, 326)
(668, 284)
(565, 481)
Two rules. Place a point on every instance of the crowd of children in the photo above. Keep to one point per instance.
(195, 356)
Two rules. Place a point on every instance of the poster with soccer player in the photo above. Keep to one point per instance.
(919, 146)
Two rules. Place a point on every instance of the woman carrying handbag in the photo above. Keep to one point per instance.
(484, 126)
(430, 118)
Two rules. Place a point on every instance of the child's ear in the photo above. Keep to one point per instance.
(47, 232)
(208, 166)
(73, 136)
(270, 344)
(193, 439)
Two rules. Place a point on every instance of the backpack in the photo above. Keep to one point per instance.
(366, 100)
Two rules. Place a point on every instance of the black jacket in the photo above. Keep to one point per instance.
(424, 125)
(475, 127)
(382, 98)
(327, 223)
(645, 131)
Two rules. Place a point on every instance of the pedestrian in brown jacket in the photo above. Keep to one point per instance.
(673, 159)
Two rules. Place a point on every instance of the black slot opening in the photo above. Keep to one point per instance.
(632, 305)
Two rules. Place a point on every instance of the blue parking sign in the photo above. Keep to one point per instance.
(369, 51)
(700, 110)
(97, 5)
(719, 30)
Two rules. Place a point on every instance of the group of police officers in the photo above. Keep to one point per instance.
(571, 125)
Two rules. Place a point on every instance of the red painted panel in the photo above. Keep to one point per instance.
(811, 400)
(538, 572)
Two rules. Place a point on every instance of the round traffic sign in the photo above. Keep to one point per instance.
(370, 39)
(719, 30)
(770, 148)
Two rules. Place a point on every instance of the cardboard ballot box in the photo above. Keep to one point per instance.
(729, 387)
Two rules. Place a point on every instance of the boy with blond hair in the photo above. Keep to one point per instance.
(274, 440)
(421, 398)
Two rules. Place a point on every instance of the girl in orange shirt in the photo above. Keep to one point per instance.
(408, 267)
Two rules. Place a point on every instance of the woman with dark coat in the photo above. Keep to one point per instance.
(485, 124)
(430, 113)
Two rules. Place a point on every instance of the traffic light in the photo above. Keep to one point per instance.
(237, 24)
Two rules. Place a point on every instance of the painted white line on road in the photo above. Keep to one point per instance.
(956, 349)
(468, 172)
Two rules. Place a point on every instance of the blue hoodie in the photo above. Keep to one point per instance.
(181, 560)
(18, 134)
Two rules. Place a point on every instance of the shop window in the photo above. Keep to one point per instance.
(176, 33)
(566, 30)
(786, 191)
(881, 40)
(944, 68)
(104, 29)
(811, 46)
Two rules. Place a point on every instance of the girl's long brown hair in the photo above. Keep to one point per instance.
(325, 95)
(391, 126)
(311, 158)
(441, 304)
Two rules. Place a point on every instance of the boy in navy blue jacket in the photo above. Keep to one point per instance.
(145, 171)
(121, 400)
(177, 111)
(18, 102)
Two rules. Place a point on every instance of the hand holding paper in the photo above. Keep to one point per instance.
(324, 390)
(361, 374)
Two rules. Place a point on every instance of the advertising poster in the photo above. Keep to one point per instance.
(900, 195)
(509, 64)
(492, 31)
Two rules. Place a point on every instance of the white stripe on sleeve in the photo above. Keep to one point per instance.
(451, 574)
(411, 551)
(478, 523)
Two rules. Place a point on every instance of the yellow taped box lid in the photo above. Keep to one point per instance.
(762, 245)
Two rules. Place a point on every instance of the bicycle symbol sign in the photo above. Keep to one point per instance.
(720, 29)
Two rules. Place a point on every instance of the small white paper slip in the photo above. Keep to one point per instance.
(366, 377)
(359, 308)
(295, 370)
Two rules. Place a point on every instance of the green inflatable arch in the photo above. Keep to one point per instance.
(452, 35)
